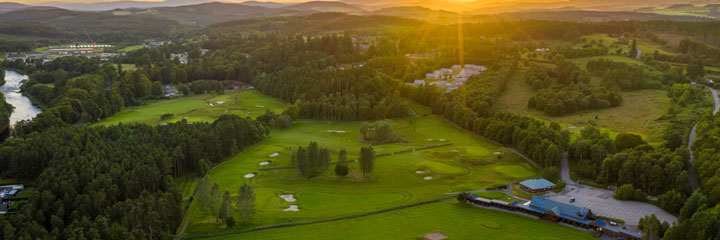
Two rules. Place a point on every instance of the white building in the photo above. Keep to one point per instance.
(419, 82)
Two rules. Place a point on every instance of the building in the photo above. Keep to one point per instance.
(558, 212)
(71, 51)
(419, 82)
(169, 91)
(536, 185)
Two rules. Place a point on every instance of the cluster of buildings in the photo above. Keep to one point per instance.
(7, 196)
(63, 51)
(451, 78)
(552, 211)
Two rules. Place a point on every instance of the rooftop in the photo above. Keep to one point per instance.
(539, 183)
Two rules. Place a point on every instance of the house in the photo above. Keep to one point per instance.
(446, 71)
(536, 185)
(542, 50)
(456, 67)
(169, 91)
(616, 232)
(440, 84)
(419, 82)
(36, 55)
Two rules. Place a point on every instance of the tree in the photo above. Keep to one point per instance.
(673, 140)
(671, 201)
(462, 197)
(341, 168)
(652, 227)
(230, 222)
(551, 173)
(203, 167)
(204, 196)
(633, 49)
(367, 160)
(695, 203)
(156, 89)
(627, 140)
(215, 200)
(246, 203)
(225, 207)
(292, 111)
(625, 192)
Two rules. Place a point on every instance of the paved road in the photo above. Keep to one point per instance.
(694, 184)
(601, 201)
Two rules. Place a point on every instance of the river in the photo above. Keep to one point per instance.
(24, 108)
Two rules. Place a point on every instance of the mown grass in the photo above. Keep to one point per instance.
(458, 221)
(469, 164)
(197, 108)
(131, 48)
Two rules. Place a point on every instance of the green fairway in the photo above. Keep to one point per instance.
(458, 221)
(470, 163)
(131, 48)
(199, 108)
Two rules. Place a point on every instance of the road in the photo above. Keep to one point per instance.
(694, 184)
(601, 201)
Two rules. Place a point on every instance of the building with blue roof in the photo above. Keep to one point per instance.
(554, 211)
(536, 185)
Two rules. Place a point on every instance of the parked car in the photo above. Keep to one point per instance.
(572, 199)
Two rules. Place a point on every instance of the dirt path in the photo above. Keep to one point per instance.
(565, 170)
(182, 231)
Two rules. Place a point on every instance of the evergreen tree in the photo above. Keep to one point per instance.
(226, 207)
(341, 168)
(367, 160)
(633, 49)
(246, 203)
(203, 195)
(215, 200)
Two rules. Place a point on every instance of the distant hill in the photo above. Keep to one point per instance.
(265, 4)
(414, 12)
(105, 6)
(584, 16)
(11, 6)
(209, 13)
(324, 6)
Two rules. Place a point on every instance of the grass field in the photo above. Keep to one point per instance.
(131, 48)
(637, 114)
(458, 221)
(197, 108)
(469, 164)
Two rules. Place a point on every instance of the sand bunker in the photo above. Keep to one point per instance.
(260, 106)
(264, 163)
(427, 178)
(419, 172)
(288, 198)
(572, 127)
(292, 208)
(221, 102)
(340, 131)
(274, 155)
(454, 150)
(211, 104)
(250, 175)
(430, 140)
(331, 130)
(442, 140)
(497, 153)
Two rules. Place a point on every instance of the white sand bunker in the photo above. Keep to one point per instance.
(430, 140)
(419, 172)
(292, 208)
(211, 104)
(260, 106)
(274, 155)
(250, 175)
(264, 163)
(442, 140)
(572, 127)
(331, 131)
(427, 178)
(454, 150)
(288, 198)
(497, 153)
(340, 131)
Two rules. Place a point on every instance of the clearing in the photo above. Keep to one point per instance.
(197, 108)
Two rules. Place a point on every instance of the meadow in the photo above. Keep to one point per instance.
(458, 221)
(470, 163)
(637, 114)
(199, 108)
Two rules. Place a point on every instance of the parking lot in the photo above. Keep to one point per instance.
(601, 202)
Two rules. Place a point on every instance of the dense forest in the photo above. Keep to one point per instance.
(99, 183)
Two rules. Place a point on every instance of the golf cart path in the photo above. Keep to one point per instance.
(694, 184)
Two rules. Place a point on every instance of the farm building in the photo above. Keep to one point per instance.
(536, 185)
